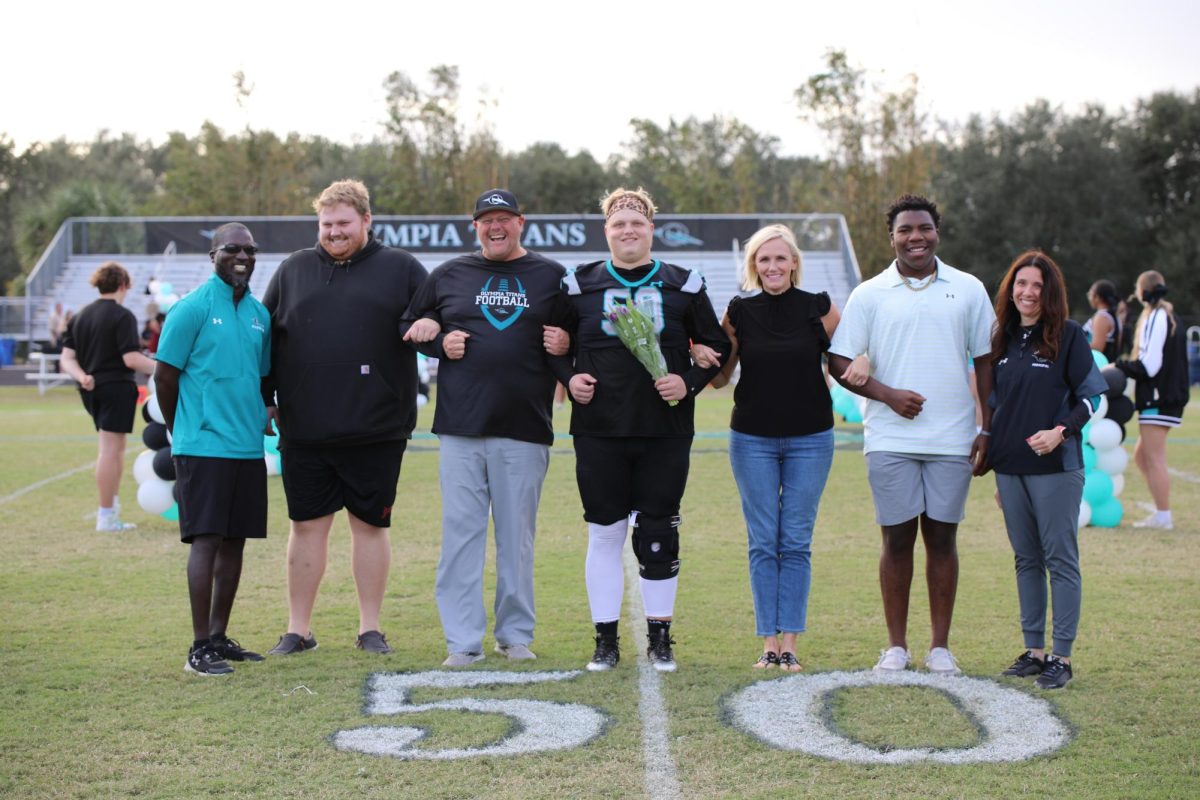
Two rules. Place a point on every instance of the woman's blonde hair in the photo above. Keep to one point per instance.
(750, 279)
(1148, 280)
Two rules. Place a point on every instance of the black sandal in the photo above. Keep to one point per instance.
(787, 661)
(767, 660)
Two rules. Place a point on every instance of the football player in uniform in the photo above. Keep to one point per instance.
(632, 444)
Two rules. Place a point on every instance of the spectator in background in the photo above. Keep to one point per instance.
(215, 350)
(1160, 369)
(1104, 328)
(153, 328)
(101, 352)
(1046, 388)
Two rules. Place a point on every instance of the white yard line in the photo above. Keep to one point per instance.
(1183, 476)
(46, 482)
(660, 779)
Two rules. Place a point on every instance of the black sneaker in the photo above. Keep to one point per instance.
(230, 650)
(659, 651)
(608, 653)
(205, 660)
(1056, 675)
(1026, 666)
(291, 643)
(373, 642)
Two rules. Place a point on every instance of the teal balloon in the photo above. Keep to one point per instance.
(172, 513)
(1089, 457)
(1108, 514)
(1100, 359)
(1097, 489)
(1085, 431)
(853, 414)
(271, 444)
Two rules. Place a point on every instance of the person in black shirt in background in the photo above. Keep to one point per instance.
(489, 316)
(632, 448)
(1046, 387)
(101, 351)
(781, 442)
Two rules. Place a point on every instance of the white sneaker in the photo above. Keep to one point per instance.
(942, 662)
(1155, 522)
(894, 659)
(112, 524)
(515, 652)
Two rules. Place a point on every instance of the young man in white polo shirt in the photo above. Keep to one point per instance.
(922, 322)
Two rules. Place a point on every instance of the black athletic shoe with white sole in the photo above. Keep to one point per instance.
(608, 653)
(1056, 675)
(230, 650)
(1027, 665)
(659, 652)
(205, 660)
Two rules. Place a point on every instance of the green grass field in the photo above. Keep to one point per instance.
(94, 629)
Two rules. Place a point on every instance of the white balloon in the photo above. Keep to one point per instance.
(1118, 481)
(1102, 410)
(155, 283)
(143, 466)
(155, 495)
(1104, 435)
(150, 385)
(1112, 461)
(272, 464)
(170, 438)
(1085, 514)
(154, 411)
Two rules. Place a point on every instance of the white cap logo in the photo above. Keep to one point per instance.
(495, 200)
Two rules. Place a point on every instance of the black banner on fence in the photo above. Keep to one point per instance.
(455, 234)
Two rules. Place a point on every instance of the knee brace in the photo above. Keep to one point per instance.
(656, 545)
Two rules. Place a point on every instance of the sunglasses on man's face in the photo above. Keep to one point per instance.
(234, 249)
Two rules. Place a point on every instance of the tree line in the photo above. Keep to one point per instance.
(1106, 194)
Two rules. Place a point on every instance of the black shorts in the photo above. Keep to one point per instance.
(112, 406)
(620, 475)
(319, 481)
(224, 497)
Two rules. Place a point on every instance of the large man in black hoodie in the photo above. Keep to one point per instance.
(343, 391)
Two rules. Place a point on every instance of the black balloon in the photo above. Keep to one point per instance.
(164, 465)
(146, 414)
(1115, 379)
(155, 436)
(176, 493)
(1122, 427)
(1120, 409)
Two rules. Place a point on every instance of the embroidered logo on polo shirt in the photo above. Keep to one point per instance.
(218, 321)
(258, 326)
(502, 306)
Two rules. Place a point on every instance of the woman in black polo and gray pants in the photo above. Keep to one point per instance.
(1046, 388)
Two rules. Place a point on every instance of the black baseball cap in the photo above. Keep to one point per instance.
(496, 200)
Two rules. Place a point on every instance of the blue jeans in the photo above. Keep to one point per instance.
(780, 481)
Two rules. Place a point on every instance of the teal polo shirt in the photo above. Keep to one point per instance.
(222, 351)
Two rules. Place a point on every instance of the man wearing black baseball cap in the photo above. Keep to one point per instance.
(489, 316)
(497, 200)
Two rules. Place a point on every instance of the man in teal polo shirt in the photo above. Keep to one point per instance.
(215, 348)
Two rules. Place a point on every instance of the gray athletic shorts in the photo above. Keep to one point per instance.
(906, 485)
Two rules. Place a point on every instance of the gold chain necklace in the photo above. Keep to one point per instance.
(923, 286)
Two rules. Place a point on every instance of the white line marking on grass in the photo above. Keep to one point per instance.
(1014, 725)
(660, 779)
(46, 482)
(1184, 476)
